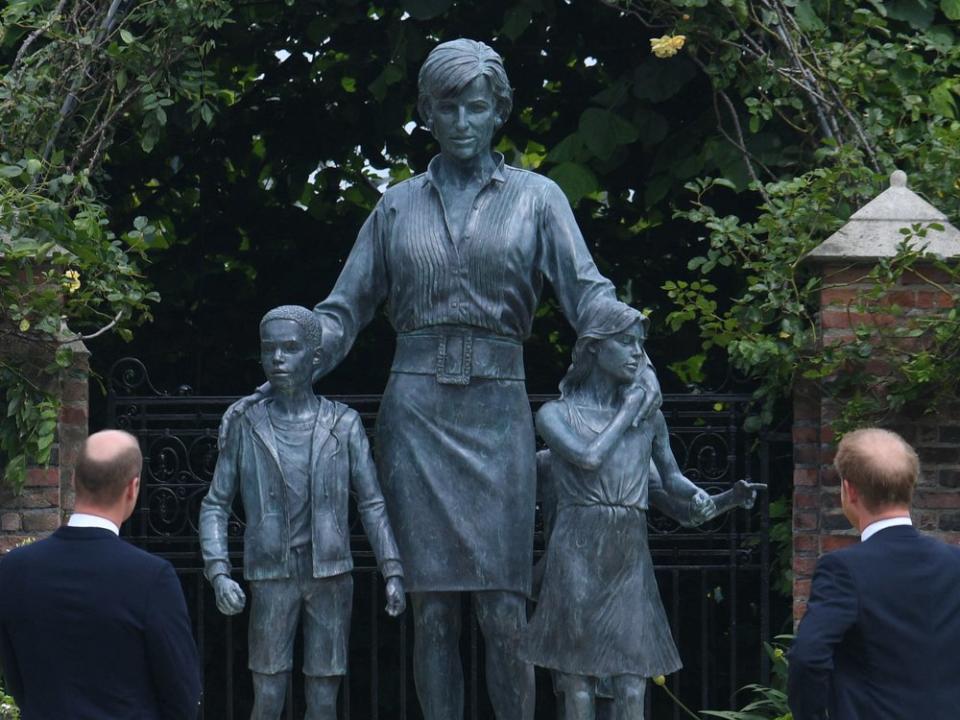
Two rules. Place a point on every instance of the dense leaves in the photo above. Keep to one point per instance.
(72, 72)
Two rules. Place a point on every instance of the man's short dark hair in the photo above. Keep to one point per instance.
(103, 480)
(881, 465)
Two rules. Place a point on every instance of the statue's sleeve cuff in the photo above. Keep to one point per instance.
(391, 568)
(217, 567)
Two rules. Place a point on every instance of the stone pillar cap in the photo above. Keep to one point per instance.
(873, 231)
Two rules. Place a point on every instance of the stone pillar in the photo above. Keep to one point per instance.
(844, 261)
(48, 495)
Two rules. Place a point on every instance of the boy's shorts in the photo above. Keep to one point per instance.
(275, 611)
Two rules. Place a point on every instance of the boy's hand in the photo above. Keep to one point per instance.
(230, 598)
(396, 596)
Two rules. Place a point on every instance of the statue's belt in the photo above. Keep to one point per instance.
(456, 356)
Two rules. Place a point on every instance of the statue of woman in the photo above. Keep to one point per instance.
(458, 255)
(599, 613)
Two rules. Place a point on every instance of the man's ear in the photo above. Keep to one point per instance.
(133, 488)
(850, 490)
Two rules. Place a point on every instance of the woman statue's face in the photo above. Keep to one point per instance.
(464, 123)
(620, 356)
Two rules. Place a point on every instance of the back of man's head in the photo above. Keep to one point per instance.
(880, 465)
(110, 459)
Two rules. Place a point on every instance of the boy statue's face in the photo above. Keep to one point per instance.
(286, 356)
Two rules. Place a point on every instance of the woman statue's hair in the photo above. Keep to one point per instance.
(451, 66)
(605, 321)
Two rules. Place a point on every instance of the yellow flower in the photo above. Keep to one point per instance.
(660, 680)
(71, 281)
(667, 46)
(24, 325)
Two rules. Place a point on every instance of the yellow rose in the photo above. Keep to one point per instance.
(71, 281)
(667, 46)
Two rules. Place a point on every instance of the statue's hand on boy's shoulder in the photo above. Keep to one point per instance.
(238, 408)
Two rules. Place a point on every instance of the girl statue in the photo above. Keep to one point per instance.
(599, 613)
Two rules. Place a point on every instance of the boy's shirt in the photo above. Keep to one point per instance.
(292, 436)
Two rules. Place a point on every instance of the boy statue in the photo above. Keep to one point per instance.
(294, 457)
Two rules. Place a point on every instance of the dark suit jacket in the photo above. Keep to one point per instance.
(92, 628)
(881, 636)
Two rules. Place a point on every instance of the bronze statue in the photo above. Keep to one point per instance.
(459, 255)
(294, 459)
(599, 613)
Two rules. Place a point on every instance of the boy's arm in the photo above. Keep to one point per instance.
(216, 506)
(373, 511)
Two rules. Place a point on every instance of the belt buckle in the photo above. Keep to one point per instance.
(455, 358)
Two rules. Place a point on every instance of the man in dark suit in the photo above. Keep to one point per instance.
(90, 626)
(881, 636)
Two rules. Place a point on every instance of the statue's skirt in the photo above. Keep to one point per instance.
(599, 612)
(458, 471)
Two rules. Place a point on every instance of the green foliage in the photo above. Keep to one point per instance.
(768, 702)
(74, 75)
(8, 707)
(820, 101)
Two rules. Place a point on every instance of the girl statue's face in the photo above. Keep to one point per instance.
(621, 356)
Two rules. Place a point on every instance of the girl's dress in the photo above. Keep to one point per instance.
(599, 611)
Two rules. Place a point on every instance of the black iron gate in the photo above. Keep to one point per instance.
(714, 580)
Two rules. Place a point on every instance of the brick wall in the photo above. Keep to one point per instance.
(48, 496)
(818, 523)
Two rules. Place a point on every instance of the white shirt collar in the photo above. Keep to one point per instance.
(94, 521)
(873, 528)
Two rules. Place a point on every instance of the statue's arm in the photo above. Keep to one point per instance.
(565, 260)
(358, 292)
(670, 490)
(370, 503)
(567, 443)
(216, 506)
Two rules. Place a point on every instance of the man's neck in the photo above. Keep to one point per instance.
(868, 519)
(114, 515)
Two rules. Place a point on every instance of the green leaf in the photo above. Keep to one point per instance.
(64, 357)
(16, 471)
(349, 84)
(604, 132)
(516, 20)
(127, 36)
(951, 8)
(570, 149)
(10, 171)
(918, 14)
(426, 9)
(807, 18)
(575, 180)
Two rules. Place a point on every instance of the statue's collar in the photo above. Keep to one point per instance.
(497, 176)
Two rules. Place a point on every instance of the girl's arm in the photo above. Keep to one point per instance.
(590, 454)
(671, 491)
